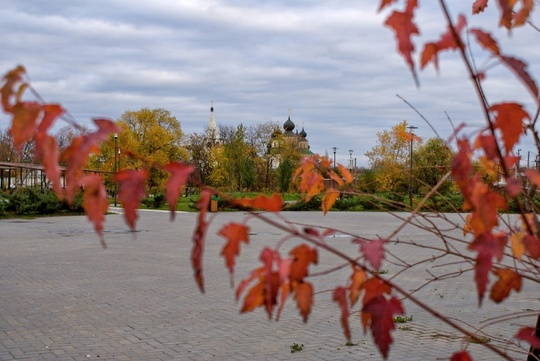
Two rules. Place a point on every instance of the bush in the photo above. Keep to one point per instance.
(33, 202)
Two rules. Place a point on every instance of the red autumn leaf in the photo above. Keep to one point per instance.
(461, 356)
(51, 113)
(533, 175)
(284, 269)
(95, 202)
(179, 176)
(302, 256)
(402, 23)
(235, 233)
(303, 294)
(358, 278)
(520, 69)
(446, 42)
(479, 6)
(271, 279)
(489, 145)
(373, 251)
(328, 200)
(373, 287)
(385, 3)
(336, 178)
(487, 246)
(532, 246)
(76, 155)
(506, 14)
(199, 236)
(382, 311)
(486, 41)
(528, 334)
(271, 204)
(340, 297)
(25, 120)
(131, 190)
(48, 154)
(509, 118)
(508, 280)
(462, 167)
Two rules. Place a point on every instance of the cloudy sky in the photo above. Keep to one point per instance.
(331, 62)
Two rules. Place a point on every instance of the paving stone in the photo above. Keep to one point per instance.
(63, 297)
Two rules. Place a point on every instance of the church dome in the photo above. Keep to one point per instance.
(288, 125)
(303, 133)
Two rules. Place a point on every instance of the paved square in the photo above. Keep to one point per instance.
(63, 297)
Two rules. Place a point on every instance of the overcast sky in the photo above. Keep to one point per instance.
(331, 62)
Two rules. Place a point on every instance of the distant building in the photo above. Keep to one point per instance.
(212, 132)
(288, 141)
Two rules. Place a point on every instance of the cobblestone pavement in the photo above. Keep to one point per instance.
(64, 297)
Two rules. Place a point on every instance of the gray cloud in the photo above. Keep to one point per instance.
(333, 63)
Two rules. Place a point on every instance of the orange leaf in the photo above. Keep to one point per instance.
(271, 204)
(385, 3)
(429, 54)
(235, 233)
(329, 199)
(303, 294)
(461, 356)
(340, 297)
(254, 298)
(347, 176)
(522, 15)
(486, 41)
(51, 113)
(358, 278)
(479, 6)
(509, 119)
(302, 255)
(199, 236)
(10, 79)
(517, 246)
(508, 280)
(179, 176)
(24, 125)
(95, 202)
(382, 313)
(131, 190)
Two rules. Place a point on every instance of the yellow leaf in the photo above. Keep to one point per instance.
(516, 244)
(329, 199)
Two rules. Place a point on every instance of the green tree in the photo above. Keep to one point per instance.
(285, 174)
(431, 161)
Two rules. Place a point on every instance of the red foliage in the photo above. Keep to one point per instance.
(179, 176)
(131, 191)
(528, 334)
(235, 233)
(199, 236)
(461, 356)
(340, 297)
(382, 311)
(373, 251)
(95, 202)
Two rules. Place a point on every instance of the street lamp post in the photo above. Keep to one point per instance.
(411, 128)
(115, 165)
(350, 160)
(334, 149)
